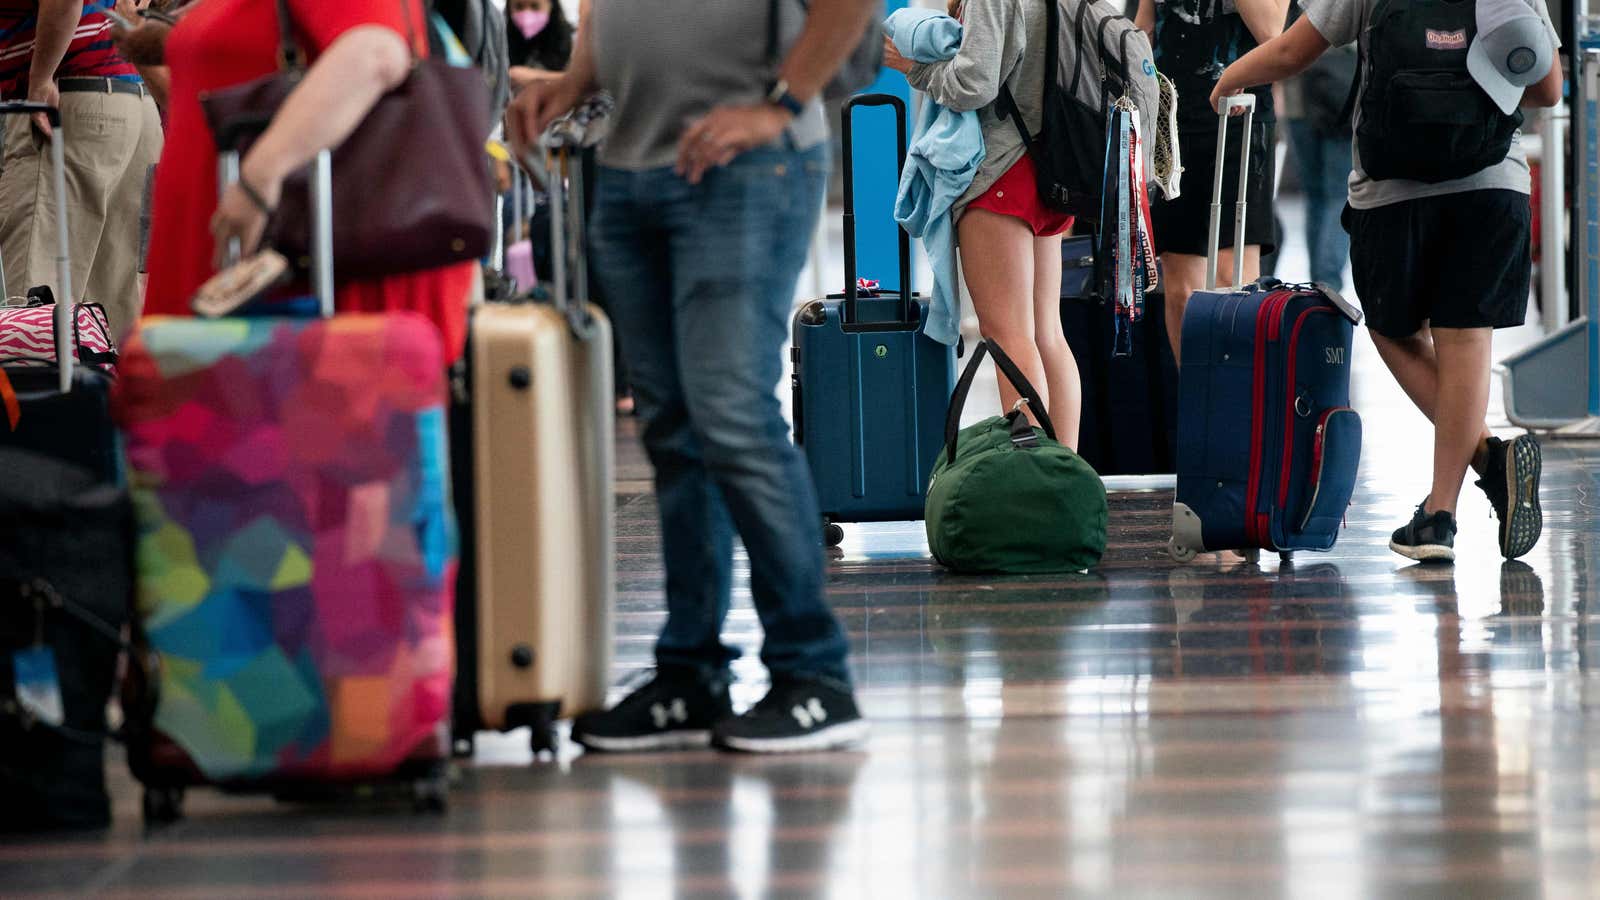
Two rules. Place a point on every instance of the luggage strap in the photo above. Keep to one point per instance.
(1009, 371)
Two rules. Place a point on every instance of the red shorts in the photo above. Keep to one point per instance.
(1016, 194)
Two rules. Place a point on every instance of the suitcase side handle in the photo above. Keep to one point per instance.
(64, 310)
(1246, 102)
(847, 139)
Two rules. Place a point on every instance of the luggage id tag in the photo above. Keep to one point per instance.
(39, 684)
(1346, 308)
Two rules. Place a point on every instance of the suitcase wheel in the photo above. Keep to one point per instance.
(1251, 556)
(1179, 552)
(1286, 557)
(463, 746)
(162, 805)
(540, 718)
(429, 795)
(832, 533)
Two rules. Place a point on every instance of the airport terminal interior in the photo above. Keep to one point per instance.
(1348, 725)
(1337, 724)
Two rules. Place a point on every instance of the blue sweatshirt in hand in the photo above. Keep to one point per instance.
(945, 153)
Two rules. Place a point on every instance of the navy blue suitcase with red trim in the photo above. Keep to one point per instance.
(1268, 445)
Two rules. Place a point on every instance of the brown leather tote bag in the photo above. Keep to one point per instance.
(412, 187)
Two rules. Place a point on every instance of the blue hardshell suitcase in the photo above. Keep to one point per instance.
(870, 388)
(1268, 445)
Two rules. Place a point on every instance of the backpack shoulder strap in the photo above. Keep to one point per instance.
(1010, 109)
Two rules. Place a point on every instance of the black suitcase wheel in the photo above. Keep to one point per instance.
(430, 795)
(463, 746)
(832, 533)
(162, 805)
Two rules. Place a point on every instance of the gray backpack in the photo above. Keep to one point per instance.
(1099, 56)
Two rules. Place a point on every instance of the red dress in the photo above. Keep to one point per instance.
(226, 42)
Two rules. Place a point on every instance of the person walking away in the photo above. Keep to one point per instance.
(60, 52)
(1319, 141)
(1009, 242)
(1440, 227)
(709, 190)
(1194, 40)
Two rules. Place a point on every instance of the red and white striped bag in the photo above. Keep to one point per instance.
(27, 336)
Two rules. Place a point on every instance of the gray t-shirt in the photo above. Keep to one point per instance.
(1342, 22)
(668, 62)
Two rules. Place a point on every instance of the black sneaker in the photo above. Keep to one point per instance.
(797, 716)
(1511, 481)
(674, 711)
(1427, 538)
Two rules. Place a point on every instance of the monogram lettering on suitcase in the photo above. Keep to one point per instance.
(1334, 356)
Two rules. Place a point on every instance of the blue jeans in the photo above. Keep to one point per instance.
(1324, 166)
(701, 280)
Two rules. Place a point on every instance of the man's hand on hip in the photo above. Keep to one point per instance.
(720, 136)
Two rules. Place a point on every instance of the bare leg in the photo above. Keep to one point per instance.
(1415, 365)
(1060, 368)
(997, 259)
(1461, 404)
(1184, 274)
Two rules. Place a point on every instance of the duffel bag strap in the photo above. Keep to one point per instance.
(1009, 371)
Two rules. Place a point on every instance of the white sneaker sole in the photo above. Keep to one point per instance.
(834, 737)
(1425, 552)
(666, 740)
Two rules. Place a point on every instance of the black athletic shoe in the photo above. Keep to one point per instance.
(674, 711)
(796, 716)
(1427, 538)
(1511, 481)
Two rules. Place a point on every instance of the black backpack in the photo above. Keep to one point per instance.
(1423, 117)
(1097, 55)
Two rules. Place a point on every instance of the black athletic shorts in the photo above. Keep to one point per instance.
(1183, 225)
(1456, 261)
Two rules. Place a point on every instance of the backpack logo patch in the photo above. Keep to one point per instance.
(1447, 40)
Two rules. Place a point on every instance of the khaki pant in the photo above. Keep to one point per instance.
(111, 142)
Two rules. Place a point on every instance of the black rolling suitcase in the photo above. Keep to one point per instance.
(1130, 408)
(66, 573)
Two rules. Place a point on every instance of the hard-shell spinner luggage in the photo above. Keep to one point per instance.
(296, 550)
(1268, 444)
(870, 388)
(535, 397)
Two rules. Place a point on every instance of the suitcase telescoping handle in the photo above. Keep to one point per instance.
(847, 139)
(321, 185)
(564, 184)
(65, 352)
(1246, 102)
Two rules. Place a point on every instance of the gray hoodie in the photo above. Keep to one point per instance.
(1003, 43)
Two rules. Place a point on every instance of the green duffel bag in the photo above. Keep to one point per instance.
(1005, 497)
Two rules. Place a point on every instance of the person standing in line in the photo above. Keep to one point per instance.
(1009, 241)
(60, 52)
(1319, 141)
(1194, 40)
(709, 190)
(1441, 245)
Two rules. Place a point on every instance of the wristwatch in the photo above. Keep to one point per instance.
(778, 95)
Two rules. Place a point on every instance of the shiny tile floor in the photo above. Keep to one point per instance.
(1349, 726)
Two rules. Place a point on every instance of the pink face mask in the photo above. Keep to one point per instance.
(530, 22)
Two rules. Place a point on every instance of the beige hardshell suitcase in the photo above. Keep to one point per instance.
(543, 436)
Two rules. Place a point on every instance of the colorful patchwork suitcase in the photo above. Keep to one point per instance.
(296, 552)
(1268, 444)
(870, 387)
(537, 591)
